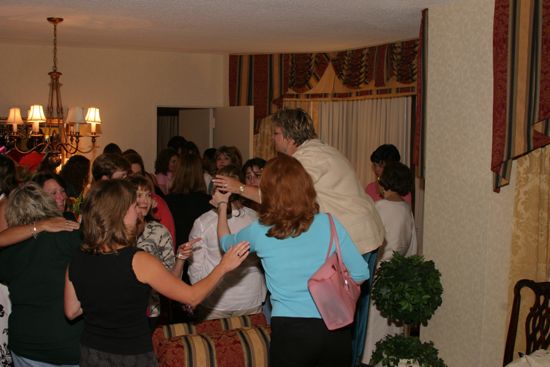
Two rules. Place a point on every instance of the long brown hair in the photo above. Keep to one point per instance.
(288, 198)
(189, 177)
(103, 214)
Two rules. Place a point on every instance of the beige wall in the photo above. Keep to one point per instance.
(127, 85)
(467, 227)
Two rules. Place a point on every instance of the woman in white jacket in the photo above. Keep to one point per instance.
(243, 291)
(396, 214)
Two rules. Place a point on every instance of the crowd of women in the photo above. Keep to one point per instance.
(85, 266)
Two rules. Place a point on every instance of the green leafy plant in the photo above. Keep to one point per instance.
(393, 348)
(407, 289)
(75, 204)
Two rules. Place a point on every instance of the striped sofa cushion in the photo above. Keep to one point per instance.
(210, 326)
(246, 347)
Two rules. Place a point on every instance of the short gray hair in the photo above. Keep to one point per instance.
(295, 124)
(28, 203)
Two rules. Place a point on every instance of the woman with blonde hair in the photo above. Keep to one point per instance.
(109, 280)
(34, 272)
(14, 235)
(291, 239)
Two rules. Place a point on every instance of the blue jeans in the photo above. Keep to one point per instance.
(362, 312)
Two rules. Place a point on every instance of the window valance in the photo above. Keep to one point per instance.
(521, 77)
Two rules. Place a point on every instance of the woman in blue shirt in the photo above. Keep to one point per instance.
(291, 239)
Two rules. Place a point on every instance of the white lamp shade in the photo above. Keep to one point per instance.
(75, 115)
(14, 117)
(36, 114)
(92, 116)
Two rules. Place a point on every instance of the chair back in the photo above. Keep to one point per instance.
(537, 322)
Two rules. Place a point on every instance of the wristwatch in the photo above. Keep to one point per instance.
(241, 189)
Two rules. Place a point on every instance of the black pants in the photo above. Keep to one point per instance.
(306, 342)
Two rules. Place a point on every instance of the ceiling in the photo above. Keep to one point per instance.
(214, 26)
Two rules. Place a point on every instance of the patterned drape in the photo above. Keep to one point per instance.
(259, 81)
(264, 80)
(530, 253)
(521, 62)
(419, 137)
(372, 72)
(306, 70)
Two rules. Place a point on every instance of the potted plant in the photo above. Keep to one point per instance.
(407, 291)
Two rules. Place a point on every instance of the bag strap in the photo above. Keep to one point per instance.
(334, 238)
(332, 234)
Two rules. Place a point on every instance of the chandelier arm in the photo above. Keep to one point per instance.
(29, 150)
(69, 148)
(86, 151)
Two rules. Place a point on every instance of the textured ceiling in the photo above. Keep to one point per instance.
(218, 26)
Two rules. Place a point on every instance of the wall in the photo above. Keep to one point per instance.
(127, 85)
(467, 227)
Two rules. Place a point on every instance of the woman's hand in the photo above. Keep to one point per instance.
(185, 250)
(235, 256)
(226, 183)
(219, 197)
(56, 224)
(235, 186)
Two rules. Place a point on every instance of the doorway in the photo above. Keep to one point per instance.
(208, 127)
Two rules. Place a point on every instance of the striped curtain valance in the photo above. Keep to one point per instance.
(521, 91)
(375, 71)
(306, 70)
(259, 81)
(263, 81)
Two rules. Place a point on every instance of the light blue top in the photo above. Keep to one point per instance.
(290, 262)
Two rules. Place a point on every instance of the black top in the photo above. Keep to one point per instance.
(34, 271)
(185, 208)
(113, 300)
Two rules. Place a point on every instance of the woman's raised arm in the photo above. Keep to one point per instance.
(149, 270)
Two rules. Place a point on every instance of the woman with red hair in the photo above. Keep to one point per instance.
(291, 239)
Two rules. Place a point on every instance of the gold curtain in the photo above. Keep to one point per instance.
(530, 257)
(263, 141)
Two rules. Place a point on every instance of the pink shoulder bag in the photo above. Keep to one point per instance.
(334, 292)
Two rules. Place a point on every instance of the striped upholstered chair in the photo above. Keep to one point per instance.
(232, 342)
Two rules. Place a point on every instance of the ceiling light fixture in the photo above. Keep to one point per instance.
(50, 132)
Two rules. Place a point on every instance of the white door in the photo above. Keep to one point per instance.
(235, 126)
(214, 127)
(195, 124)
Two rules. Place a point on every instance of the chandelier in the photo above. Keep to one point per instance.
(50, 132)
